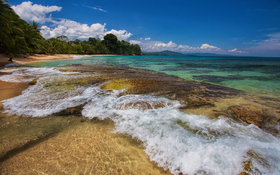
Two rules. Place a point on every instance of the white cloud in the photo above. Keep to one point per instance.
(153, 46)
(121, 34)
(236, 51)
(96, 8)
(233, 50)
(147, 39)
(72, 29)
(186, 48)
(168, 45)
(36, 12)
(158, 46)
(135, 42)
(208, 47)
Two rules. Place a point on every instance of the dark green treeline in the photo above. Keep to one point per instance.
(18, 37)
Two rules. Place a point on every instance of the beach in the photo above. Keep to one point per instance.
(107, 119)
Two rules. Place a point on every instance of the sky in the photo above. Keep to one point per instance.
(230, 27)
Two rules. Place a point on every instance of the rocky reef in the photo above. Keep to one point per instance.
(195, 97)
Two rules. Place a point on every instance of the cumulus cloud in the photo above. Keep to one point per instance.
(36, 12)
(208, 47)
(72, 29)
(154, 46)
(148, 38)
(121, 34)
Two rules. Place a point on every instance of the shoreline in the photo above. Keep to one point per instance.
(41, 58)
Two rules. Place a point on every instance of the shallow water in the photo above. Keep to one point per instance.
(257, 75)
(180, 142)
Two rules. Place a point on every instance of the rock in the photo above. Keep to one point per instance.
(77, 111)
(249, 115)
(143, 105)
(34, 81)
(257, 116)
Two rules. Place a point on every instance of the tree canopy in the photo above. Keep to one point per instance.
(20, 37)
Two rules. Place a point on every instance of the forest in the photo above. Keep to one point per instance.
(18, 37)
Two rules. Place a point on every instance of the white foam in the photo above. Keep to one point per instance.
(186, 143)
(28, 74)
(47, 97)
(12, 64)
(78, 57)
(180, 142)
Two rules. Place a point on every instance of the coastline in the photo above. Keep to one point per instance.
(42, 58)
(35, 58)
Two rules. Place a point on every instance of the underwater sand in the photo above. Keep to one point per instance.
(84, 148)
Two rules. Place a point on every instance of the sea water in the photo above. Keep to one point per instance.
(180, 142)
(259, 75)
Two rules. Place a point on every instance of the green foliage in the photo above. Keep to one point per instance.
(19, 37)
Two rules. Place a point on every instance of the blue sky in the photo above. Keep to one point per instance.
(235, 27)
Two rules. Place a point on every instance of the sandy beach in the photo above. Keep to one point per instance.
(34, 58)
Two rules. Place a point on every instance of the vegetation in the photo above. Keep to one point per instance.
(18, 37)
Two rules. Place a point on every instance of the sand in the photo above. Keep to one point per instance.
(34, 58)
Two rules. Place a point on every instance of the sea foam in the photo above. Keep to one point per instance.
(180, 142)
(186, 143)
(28, 74)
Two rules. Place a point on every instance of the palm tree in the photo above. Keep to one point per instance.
(7, 15)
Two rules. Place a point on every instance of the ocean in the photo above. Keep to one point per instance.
(180, 142)
(260, 75)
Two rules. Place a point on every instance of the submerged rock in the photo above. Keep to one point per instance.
(142, 105)
(249, 115)
(77, 111)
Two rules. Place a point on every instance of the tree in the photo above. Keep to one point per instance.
(137, 49)
(111, 42)
(92, 41)
(7, 16)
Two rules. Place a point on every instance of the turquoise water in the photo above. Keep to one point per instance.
(257, 75)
